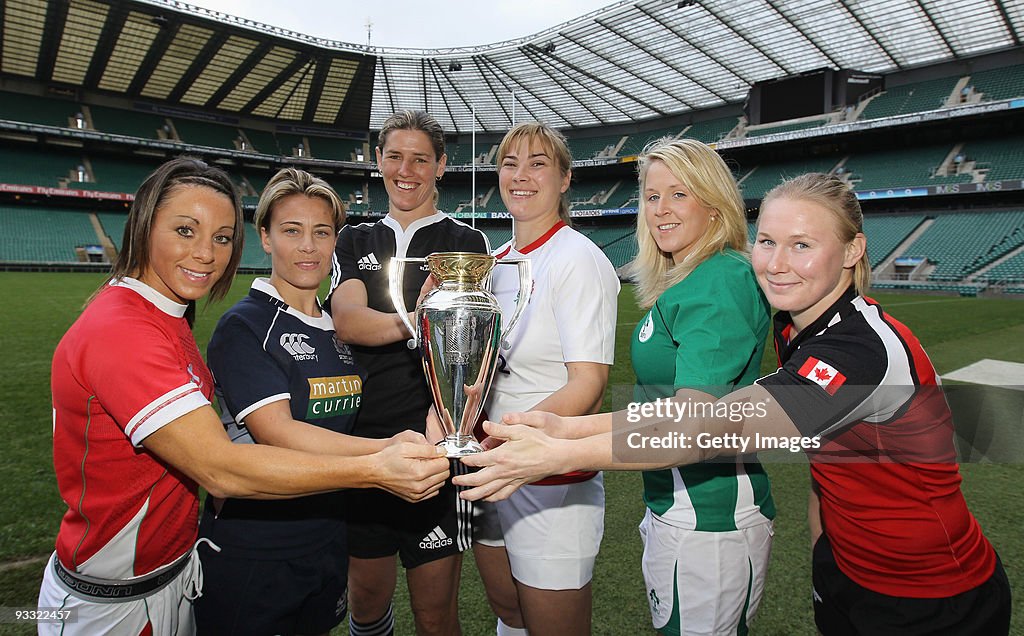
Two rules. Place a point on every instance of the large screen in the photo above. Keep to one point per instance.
(792, 97)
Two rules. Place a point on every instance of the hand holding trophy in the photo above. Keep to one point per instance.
(458, 330)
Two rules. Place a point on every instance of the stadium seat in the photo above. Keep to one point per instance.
(1000, 158)
(762, 178)
(44, 235)
(901, 167)
(999, 83)
(202, 133)
(910, 98)
(884, 234)
(127, 122)
(37, 110)
(964, 242)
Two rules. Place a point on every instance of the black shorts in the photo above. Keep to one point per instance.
(842, 607)
(380, 524)
(304, 595)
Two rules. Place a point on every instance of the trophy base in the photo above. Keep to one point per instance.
(460, 445)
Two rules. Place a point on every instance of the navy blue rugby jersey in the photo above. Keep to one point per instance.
(263, 351)
(396, 396)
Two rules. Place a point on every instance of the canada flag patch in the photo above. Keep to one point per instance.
(824, 374)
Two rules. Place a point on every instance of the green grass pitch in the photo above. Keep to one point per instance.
(955, 331)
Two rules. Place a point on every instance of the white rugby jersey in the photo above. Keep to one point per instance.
(570, 318)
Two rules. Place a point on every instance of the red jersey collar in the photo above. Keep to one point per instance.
(536, 244)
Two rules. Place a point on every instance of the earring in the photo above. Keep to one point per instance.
(437, 178)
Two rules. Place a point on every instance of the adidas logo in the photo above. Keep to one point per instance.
(295, 345)
(436, 539)
(370, 262)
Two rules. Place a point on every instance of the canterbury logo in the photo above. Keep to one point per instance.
(436, 539)
(295, 344)
(370, 262)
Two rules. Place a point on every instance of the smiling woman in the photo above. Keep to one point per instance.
(558, 359)
(285, 380)
(193, 237)
(134, 432)
(411, 157)
(705, 330)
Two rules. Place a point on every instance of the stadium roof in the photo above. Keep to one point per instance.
(630, 61)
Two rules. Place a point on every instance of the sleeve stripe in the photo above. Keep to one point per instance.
(164, 410)
(240, 418)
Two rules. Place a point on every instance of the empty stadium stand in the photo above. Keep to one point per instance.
(37, 166)
(591, 147)
(287, 143)
(335, 149)
(496, 236)
(770, 129)
(910, 98)
(622, 251)
(44, 235)
(1010, 270)
(760, 179)
(711, 130)
(964, 251)
(113, 225)
(885, 233)
(262, 141)
(202, 133)
(37, 110)
(962, 243)
(127, 122)
(901, 167)
(637, 141)
(116, 174)
(998, 159)
(999, 83)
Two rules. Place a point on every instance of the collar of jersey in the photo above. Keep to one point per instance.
(163, 303)
(544, 238)
(393, 223)
(839, 309)
(261, 288)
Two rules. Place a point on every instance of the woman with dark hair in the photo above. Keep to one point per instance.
(895, 548)
(430, 537)
(135, 435)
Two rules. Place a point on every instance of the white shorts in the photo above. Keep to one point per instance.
(167, 610)
(703, 583)
(553, 533)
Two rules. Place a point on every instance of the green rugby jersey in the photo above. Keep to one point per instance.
(707, 333)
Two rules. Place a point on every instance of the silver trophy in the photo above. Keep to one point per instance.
(459, 332)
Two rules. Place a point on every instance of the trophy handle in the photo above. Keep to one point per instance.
(525, 290)
(396, 273)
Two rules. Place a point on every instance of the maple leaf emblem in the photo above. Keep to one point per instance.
(822, 374)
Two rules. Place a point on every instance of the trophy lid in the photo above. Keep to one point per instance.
(462, 267)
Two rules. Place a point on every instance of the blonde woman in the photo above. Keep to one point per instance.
(708, 528)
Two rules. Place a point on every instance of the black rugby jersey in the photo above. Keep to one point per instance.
(395, 396)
